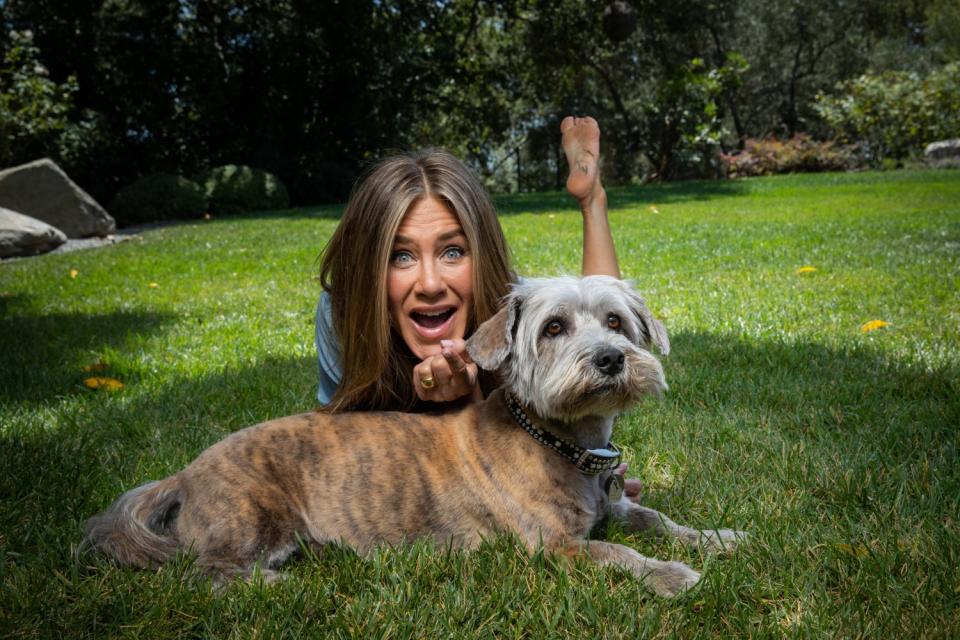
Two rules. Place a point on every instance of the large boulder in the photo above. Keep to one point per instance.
(942, 149)
(41, 190)
(22, 235)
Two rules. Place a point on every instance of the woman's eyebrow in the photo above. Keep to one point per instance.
(443, 237)
(449, 235)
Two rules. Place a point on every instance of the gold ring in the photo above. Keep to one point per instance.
(427, 383)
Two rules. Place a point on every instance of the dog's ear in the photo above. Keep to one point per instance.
(654, 333)
(490, 344)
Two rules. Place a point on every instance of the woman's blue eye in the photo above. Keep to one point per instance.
(453, 253)
(401, 258)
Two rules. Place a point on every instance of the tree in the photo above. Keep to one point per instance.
(310, 91)
(37, 115)
(314, 90)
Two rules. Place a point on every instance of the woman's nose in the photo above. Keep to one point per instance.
(430, 281)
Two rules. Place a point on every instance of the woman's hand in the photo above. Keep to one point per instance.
(447, 376)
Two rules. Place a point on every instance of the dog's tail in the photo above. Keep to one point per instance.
(137, 529)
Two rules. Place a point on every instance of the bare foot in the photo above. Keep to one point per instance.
(631, 486)
(632, 489)
(581, 144)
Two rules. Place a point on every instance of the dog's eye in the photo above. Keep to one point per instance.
(613, 322)
(553, 329)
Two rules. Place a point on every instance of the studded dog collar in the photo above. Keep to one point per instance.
(589, 461)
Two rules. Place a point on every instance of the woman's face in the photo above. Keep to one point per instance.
(430, 278)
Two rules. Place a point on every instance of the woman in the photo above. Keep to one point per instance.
(417, 263)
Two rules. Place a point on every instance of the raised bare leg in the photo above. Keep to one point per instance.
(581, 144)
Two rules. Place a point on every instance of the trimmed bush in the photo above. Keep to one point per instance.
(162, 196)
(799, 154)
(237, 188)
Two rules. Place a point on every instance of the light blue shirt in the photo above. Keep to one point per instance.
(328, 351)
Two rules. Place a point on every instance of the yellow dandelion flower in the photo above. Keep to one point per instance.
(806, 269)
(873, 325)
(73, 273)
(153, 285)
(653, 209)
(110, 384)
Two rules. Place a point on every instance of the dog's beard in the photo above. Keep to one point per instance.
(568, 394)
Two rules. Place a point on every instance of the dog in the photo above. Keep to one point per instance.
(534, 458)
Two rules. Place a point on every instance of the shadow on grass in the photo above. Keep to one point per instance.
(854, 397)
(862, 429)
(324, 212)
(40, 353)
(620, 197)
(728, 371)
(872, 412)
(544, 201)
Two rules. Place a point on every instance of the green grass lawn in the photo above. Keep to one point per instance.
(837, 449)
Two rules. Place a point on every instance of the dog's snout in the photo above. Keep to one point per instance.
(609, 360)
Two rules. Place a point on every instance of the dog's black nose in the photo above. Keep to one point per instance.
(609, 360)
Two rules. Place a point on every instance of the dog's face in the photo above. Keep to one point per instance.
(570, 348)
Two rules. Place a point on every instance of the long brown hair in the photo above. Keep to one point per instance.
(377, 365)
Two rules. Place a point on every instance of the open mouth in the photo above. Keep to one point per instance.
(433, 319)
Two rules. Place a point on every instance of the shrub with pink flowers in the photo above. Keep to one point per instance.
(799, 154)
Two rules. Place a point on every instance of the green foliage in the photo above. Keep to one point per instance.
(943, 18)
(657, 94)
(686, 118)
(794, 49)
(894, 114)
(166, 85)
(162, 196)
(799, 154)
(36, 113)
(236, 189)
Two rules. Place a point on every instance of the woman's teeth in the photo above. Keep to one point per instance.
(433, 319)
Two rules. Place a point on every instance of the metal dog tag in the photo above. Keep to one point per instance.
(614, 487)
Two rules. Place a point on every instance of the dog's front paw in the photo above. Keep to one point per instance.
(722, 540)
(672, 579)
